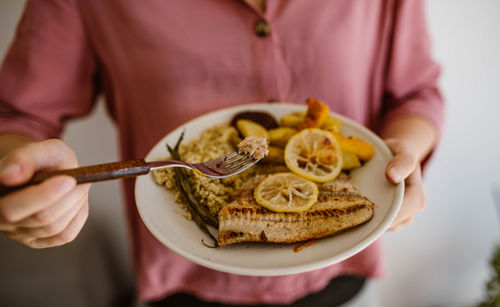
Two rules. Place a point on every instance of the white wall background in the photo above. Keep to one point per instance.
(442, 259)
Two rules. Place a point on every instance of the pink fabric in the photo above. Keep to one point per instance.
(160, 63)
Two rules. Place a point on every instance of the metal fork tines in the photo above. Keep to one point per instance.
(225, 166)
(228, 165)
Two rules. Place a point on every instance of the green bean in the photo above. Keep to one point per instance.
(186, 186)
(200, 214)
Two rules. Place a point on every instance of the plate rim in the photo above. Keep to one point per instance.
(360, 245)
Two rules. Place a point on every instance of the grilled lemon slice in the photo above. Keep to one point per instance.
(286, 192)
(314, 154)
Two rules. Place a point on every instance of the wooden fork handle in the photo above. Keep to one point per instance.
(86, 174)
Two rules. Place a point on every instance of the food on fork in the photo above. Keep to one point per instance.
(254, 146)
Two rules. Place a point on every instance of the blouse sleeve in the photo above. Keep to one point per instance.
(411, 87)
(47, 74)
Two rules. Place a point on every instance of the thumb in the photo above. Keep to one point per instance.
(19, 166)
(403, 163)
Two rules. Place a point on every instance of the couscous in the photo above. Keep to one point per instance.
(213, 193)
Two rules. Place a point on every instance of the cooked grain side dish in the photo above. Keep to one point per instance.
(213, 193)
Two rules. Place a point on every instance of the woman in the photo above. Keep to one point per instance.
(161, 63)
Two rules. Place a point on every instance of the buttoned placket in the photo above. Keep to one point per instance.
(263, 28)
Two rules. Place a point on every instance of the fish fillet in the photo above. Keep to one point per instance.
(340, 206)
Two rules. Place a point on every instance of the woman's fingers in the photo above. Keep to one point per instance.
(413, 201)
(68, 234)
(405, 166)
(77, 200)
(397, 226)
(415, 178)
(19, 166)
(47, 214)
(53, 213)
(403, 163)
(20, 204)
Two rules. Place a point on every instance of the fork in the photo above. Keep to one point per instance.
(225, 166)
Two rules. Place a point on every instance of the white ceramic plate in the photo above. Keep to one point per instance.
(166, 222)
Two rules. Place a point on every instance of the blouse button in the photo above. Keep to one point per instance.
(262, 28)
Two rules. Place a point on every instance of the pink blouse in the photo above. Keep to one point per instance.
(160, 63)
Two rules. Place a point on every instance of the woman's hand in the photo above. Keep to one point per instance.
(405, 166)
(48, 214)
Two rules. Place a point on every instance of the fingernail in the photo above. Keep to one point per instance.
(9, 170)
(394, 174)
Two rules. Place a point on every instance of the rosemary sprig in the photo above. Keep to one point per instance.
(200, 214)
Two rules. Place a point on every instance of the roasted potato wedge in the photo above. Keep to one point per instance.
(250, 128)
(363, 150)
(332, 124)
(296, 118)
(276, 155)
(264, 119)
(235, 140)
(350, 160)
(316, 114)
(281, 135)
(293, 119)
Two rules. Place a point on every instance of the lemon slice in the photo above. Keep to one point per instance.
(314, 154)
(286, 192)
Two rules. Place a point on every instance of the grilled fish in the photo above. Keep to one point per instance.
(340, 206)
